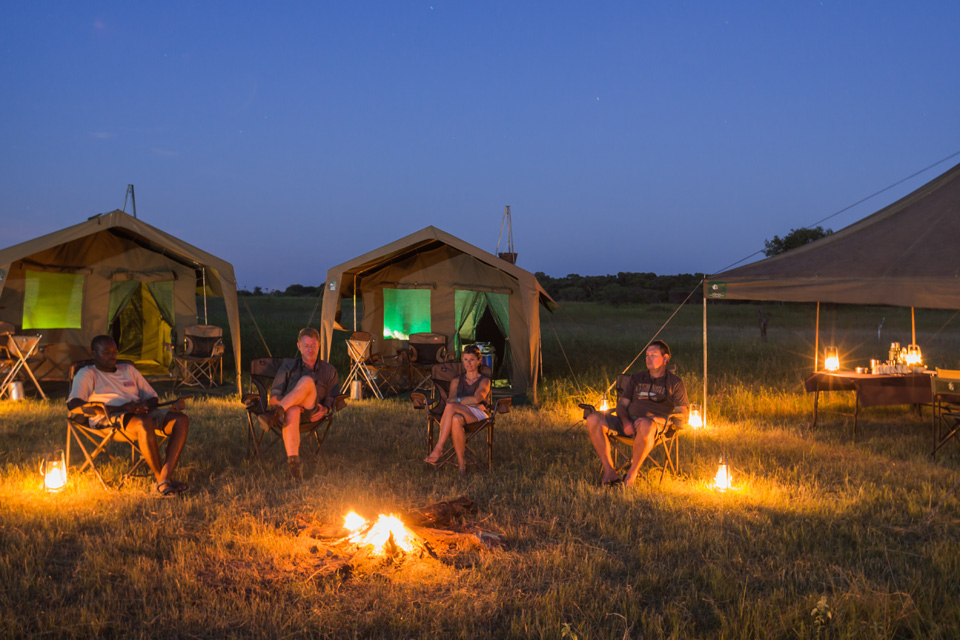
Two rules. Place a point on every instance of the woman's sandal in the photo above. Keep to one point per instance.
(432, 463)
(179, 487)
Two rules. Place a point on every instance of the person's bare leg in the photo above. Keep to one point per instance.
(642, 446)
(303, 394)
(601, 444)
(141, 428)
(291, 430)
(177, 426)
(446, 426)
(459, 437)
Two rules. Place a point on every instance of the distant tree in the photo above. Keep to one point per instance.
(796, 238)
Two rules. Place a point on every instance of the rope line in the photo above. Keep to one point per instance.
(256, 326)
(566, 359)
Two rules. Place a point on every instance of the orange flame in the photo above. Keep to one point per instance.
(380, 533)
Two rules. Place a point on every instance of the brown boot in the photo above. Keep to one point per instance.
(294, 463)
(272, 418)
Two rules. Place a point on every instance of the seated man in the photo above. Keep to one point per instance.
(304, 389)
(130, 399)
(649, 399)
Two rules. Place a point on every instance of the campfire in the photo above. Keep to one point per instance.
(437, 532)
(387, 533)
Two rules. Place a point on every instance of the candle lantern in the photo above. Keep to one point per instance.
(913, 356)
(722, 481)
(604, 404)
(54, 471)
(831, 359)
(696, 417)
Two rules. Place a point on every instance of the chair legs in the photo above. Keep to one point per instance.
(472, 430)
(621, 450)
(98, 439)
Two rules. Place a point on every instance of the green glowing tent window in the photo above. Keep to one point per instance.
(405, 311)
(52, 300)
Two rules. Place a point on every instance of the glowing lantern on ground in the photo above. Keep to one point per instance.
(722, 481)
(696, 417)
(54, 471)
(831, 359)
(913, 357)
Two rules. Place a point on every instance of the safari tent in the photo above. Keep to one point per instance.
(431, 281)
(112, 274)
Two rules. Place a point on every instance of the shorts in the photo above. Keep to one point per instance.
(613, 424)
(477, 412)
(159, 416)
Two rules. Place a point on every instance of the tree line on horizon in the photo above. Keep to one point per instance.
(623, 288)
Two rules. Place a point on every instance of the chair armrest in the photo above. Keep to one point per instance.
(503, 405)
(340, 402)
(253, 403)
(587, 409)
(419, 400)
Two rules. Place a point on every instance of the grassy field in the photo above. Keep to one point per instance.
(822, 536)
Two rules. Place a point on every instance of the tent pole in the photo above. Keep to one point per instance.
(913, 327)
(816, 342)
(355, 302)
(704, 407)
(203, 279)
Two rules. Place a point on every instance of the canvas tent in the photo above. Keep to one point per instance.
(112, 274)
(431, 281)
(903, 255)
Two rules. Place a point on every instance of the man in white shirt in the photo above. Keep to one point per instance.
(130, 399)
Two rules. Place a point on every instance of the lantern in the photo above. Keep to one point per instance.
(696, 418)
(722, 481)
(604, 404)
(913, 357)
(54, 471)
(831, 359)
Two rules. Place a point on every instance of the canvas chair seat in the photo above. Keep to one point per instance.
(200, 362)
(93, 439)
(262, 373)
(441, 376)
(425, 350)
(18, 355)
(375, 371)
(945, 388)
(666, 440)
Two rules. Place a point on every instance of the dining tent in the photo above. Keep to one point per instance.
(903, 255)
(112, 274)
(431, 281)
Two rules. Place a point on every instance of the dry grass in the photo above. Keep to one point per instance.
(867, 529)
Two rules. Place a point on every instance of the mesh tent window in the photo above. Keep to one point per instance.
(469, 307)
(405, 311)
(52, 300)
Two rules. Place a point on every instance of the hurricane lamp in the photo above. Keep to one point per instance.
(831, 359)
(723, 480)
(696, 417)
(54, 471)
(913, 357)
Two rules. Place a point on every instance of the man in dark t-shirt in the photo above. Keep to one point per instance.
(649, 399)
(303, 391)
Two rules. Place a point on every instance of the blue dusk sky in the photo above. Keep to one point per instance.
(626, 136)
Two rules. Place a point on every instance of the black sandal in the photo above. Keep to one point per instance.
(166, 489)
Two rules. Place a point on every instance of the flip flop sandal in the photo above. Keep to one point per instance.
(179, 487)
(166, 489)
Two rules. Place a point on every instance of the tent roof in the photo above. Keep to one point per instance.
(424, 240)
(223, 281)
(906, 255)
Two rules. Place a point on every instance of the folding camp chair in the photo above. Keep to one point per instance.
(945, 388)
(93, 438)
(440, 377)
(201, 358)
(666, 439)
(262, 373)
(373, 369)
(426, 350)
(17, 353)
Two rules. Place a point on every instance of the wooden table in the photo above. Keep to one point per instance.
(871, 390)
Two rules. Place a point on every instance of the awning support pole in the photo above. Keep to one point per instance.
(913, 327)
(355, 303)
(704, 408)
(816, 342)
